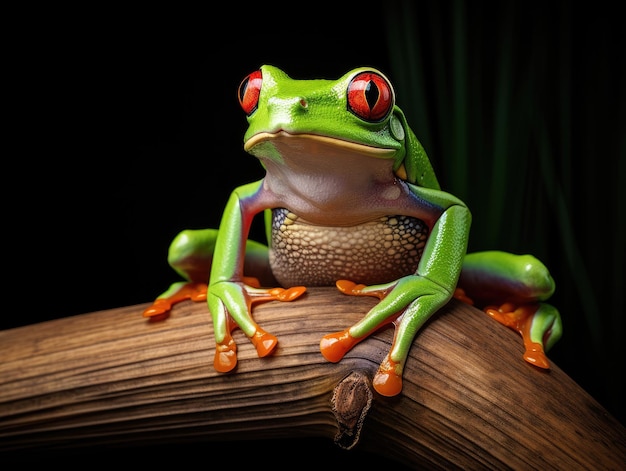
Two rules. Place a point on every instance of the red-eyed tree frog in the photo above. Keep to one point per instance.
(350, 199)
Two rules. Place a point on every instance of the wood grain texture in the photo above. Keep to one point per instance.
(111, 378)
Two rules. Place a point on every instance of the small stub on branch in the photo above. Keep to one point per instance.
(352, 398)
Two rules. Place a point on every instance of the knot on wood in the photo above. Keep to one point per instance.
(352, 398)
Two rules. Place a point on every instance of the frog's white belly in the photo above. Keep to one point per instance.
(378, 251)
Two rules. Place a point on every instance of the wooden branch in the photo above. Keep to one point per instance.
(469, 400)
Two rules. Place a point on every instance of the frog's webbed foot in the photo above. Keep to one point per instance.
(539, 324)
(405, 310)
(235, 312)
(512, 289)
(160, 309)
(335, 346)
(225, 358)
(387, 380)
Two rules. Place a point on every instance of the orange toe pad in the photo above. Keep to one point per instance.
(335, 346)
(225, 355)
(388, 379)
(264, 342)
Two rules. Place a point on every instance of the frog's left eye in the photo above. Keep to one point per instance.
(249, 91)
(370, 96)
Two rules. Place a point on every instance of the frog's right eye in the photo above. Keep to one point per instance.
(370, 96)
(249, 91)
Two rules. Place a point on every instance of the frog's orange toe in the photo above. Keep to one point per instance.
(264, 342)
(286, 295)
(349, 287)
(161, 307)
(388, 378)
(225, 355)
(199, 295)
(159, 310)
(335, 346)
(535, 355)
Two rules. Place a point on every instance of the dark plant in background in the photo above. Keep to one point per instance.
(524, 119)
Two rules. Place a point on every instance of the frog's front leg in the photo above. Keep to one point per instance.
(511, 289)
(410, 301)
(230, 304)
(401, 305)
(229, 298)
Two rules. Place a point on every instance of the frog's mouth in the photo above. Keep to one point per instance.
(310, 144)
(323, 179)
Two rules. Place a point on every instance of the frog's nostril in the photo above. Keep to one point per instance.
(303, 103)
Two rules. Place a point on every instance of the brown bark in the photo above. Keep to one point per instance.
(469, 400)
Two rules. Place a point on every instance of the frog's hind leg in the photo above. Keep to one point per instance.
(190, 255)
(160, 309)
(539, 324)
(510, 288)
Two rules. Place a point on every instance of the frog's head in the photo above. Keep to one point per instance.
(355, 115)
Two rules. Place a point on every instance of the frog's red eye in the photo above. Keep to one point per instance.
(370, 96)
(249, 91)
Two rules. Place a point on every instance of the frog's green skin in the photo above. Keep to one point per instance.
(355, 202)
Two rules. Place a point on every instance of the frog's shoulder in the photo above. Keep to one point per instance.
(414, 166)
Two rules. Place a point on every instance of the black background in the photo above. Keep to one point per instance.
(126, 129)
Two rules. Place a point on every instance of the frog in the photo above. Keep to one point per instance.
(349, 199)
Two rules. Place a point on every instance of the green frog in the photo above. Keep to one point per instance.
(350, 199)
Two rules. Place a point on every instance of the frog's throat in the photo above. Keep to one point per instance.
(302, 140)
